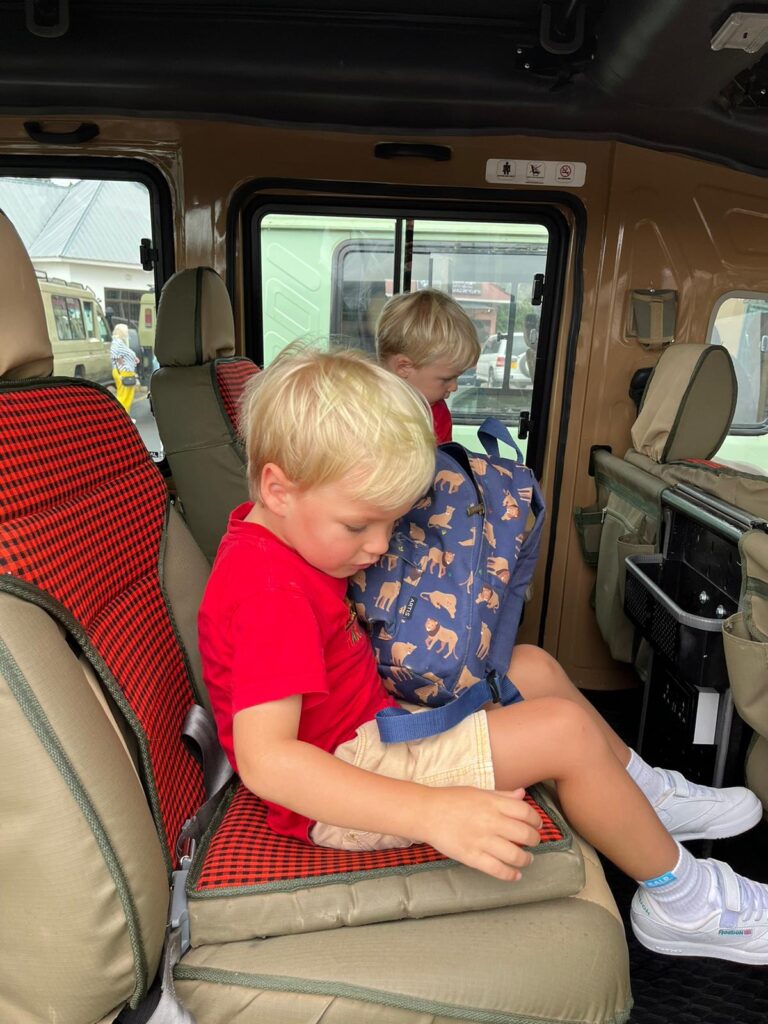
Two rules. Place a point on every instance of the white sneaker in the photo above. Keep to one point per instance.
(690, 811)
(736, 929)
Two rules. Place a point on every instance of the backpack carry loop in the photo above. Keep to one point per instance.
(396, 724)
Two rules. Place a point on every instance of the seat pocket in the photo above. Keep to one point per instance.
(747, 662)
(623, 534)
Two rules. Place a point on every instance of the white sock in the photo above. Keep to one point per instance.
(651, 782)
(687, 892)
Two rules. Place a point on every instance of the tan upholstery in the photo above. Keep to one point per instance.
(194, 319)
(77, 929)
(688, 404)
(195, 329)
(25, 348)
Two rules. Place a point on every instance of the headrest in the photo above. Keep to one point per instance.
(194, 319)
(688, 404)
(25, 348)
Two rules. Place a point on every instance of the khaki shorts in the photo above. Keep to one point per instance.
(459, 757)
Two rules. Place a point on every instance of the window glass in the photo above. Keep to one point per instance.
(61, 317)
(326, 277)
(740, 323)
(83, 237)
(323, 278)
(104, 335)
(88, 319)
(75, 318)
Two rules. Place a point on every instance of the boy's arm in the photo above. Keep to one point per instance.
(483, 829)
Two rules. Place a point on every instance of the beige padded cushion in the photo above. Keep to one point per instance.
(184, 572)
(194, 319)
(25, 348)
(221, 915)
(81, 927)
(688, 404)
(563, 960)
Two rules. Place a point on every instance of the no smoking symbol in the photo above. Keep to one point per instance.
(566, 170)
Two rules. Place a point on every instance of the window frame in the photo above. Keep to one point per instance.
(738, 429)
(253, 203)
(111, 169)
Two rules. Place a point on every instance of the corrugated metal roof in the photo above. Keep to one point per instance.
(29, 203)
(97, 220)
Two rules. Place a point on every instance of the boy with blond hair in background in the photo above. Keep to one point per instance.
(338, 449)
(426, 338)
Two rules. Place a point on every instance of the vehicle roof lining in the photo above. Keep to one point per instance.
(641, 70)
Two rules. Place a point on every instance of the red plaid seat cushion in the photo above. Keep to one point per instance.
(244, 852)
(231, 376)
(82, 516)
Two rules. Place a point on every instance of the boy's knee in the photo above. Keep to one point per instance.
(570, 723)
(527, 659)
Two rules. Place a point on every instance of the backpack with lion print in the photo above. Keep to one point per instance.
(444, 603)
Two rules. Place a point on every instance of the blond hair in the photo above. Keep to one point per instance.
(322, 417)
(425, 326)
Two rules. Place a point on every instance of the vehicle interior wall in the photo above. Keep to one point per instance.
(653, 220)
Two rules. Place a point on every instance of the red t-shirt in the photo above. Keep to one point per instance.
(441, 414)
(271, 626)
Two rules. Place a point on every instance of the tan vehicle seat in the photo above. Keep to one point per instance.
(684, 417)
(90, 817)
(195, 398)
(683, 409)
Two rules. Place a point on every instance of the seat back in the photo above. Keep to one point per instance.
(196, 397)
(82, 513)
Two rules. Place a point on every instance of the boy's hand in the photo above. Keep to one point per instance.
(484, 829)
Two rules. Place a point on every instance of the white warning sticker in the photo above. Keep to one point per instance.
(536, 172)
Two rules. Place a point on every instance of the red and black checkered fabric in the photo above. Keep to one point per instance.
(231, 377)
(82, 512)
(245, 852)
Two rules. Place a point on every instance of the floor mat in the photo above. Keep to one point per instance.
(689, 990)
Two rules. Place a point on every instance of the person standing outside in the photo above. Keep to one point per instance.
(124, 364)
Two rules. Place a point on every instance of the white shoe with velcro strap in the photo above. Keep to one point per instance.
(735, 926)
(690, 811)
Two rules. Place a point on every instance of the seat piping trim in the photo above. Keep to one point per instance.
(281, 983)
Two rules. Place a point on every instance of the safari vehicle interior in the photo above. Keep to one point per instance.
(590, 176)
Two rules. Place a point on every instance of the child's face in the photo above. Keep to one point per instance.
(436, 381)
(334, 532)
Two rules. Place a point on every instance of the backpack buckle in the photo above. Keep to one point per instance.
(493, 682)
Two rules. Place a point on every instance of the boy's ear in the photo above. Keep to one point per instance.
(401, 365)
(276, 489)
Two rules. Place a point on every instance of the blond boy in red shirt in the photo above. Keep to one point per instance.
(426, 338)
(338, 449)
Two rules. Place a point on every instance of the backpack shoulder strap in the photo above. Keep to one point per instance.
(396, 725)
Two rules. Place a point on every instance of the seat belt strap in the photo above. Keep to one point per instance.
(199, 736)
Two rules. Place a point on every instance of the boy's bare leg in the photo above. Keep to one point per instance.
(687, 810)
(555, 738)
(536, 674)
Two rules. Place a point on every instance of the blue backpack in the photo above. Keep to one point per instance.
(444, 603)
